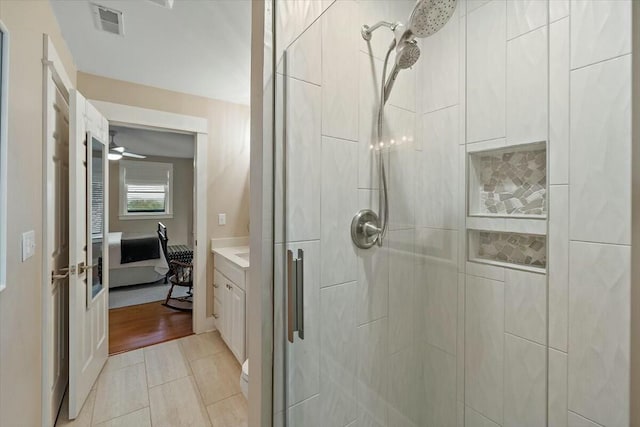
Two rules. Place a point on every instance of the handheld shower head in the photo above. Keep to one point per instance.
(429, 16)
(407, 54)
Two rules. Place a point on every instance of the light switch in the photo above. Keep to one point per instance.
(222, 219)
(28, 245)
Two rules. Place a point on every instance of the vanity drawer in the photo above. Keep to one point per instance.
(229, 270)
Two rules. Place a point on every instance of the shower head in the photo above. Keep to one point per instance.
(407, 54)
(429, 16)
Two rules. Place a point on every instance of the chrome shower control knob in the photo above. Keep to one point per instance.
(365, 229)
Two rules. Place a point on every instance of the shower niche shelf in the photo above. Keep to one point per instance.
(508, 182)
(521, 251)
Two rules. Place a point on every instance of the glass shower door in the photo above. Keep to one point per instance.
(412, 331)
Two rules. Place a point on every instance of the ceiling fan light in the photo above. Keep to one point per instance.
(114, 156)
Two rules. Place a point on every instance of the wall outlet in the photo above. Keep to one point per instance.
(222, 219)
(28, 245)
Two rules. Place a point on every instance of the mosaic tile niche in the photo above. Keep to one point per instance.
(508, 249)
(509, 182)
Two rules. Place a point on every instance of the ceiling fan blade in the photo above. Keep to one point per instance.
(133, 155)
(118, 149)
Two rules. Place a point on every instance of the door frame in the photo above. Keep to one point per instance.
(52, 68)
(127, 115)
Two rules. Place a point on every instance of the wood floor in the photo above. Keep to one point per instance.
(143, 325)
(190, 382)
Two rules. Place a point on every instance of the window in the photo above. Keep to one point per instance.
(146, 190)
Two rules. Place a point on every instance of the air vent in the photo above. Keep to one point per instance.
(108, 20)
(164, 3)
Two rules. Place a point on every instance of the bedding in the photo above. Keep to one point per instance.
(132, 273)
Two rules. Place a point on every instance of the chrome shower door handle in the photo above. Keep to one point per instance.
(300, 293)
(295, 295)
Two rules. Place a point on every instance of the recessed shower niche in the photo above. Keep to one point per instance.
(509, 181)
(509, 249)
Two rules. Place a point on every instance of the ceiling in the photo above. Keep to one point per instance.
(200, 47)
(154, 143)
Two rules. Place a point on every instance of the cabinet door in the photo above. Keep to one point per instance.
(238, 322)
(225, 302)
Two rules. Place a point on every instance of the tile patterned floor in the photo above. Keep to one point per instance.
(190, 382)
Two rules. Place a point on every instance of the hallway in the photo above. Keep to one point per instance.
(193, 381)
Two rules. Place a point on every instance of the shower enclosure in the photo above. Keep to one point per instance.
(422, 251)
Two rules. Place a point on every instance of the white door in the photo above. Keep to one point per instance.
(88, 251)
(55, 295)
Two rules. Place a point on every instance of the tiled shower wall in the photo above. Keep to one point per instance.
(556, 71)
(412, 334)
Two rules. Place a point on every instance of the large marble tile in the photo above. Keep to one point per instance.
(558, 267)
(486, 72)
(370, 70)
(557, 388)
(525, 305)
(217, 376)
(305, 413)
(599, 321)
(525, 394)
(140, 418)
(436, 289)
(339, 204)
(373, 282)
(177, 403)
(292, 19)
(527, 85)
(338, 364)
(402, 169)
(524, 16)
(401, 289)
(304, 56)
(231, 412)
(474, 419)
(340, 34)
(439, 67)
(405, 391)
(558, 9)
(373, 373)
(437, 170)
(440, 388)
(303, 161)
(576, 420)
(600, 29)
(601, 152)
(123, 360)
(559, 102)
(484, 344)
(120, 392)
(164, 363)
(202, 345)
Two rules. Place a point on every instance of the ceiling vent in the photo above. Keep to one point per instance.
(164, 3)
(109, 20)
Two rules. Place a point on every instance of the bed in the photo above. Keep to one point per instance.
(135, 270)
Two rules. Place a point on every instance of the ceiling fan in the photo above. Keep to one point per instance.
(116, 152)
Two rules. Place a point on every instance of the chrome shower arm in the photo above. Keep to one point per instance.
(366, 30)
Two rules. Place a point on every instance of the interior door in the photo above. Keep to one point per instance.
(56, 242)
(88, 250)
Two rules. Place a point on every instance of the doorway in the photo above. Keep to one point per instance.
(151, 183)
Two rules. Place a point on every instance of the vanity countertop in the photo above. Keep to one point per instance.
(239, 255)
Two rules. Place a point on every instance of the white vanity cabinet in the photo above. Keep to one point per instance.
(229, 306)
